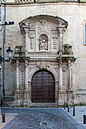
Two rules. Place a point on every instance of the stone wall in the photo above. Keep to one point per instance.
(73, 13)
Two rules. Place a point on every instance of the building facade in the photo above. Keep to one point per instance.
(48, 39)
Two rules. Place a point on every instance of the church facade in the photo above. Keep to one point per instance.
(48, 64)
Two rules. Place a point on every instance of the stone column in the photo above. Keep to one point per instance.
(70, 75)
(70, 92)
(17, 92)
(60, 76)
(56, 93)
(27, 40)
(27, 99)
(17, 74)
(26, 75)
(29, 86)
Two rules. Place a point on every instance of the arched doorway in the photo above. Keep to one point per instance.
(43, 87)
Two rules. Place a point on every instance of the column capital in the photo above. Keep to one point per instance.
(17, 63)
(26, 29)
(60, 62)
(69, 63)
(61, 29)
(26, 63)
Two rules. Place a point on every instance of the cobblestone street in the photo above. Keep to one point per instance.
(42, 118)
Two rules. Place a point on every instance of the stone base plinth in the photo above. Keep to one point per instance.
(65, 97)
(22, 98)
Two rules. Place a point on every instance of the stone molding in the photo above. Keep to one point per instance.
(35, 69)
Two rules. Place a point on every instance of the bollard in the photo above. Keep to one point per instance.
(3, 117)
(84, 119)
(68, 108)
(73, 110)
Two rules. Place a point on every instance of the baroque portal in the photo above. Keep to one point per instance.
(43, 45)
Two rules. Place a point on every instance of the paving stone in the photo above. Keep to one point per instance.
(41, 118)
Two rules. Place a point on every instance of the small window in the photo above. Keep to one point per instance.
(85, 33)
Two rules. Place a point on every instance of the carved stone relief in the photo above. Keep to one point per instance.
(43, 65)
(43, 27)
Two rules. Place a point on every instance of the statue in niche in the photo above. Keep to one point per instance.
(43, 42)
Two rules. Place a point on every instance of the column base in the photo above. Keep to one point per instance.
(22, 98)
(17, 94)
(65, 97)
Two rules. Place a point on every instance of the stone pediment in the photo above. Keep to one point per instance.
(55, 19)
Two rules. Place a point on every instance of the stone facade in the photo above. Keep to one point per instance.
(49, 37)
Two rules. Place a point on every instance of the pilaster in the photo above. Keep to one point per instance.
(56, 93)
(60, 41)
(27, 40)
(26, 75)
(69, 75)
(27, 95)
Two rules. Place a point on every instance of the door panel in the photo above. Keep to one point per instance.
(43, 87)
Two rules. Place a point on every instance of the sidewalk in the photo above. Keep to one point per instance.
(8, 118)
(79, 112)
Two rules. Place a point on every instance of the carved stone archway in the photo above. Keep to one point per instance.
(51, 70)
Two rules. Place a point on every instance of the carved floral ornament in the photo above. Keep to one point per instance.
(43, 65)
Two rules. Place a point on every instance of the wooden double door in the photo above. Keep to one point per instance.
(43, 87)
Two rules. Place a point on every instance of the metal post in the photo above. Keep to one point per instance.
(0, 86)
(67, 102)
(3, 117)
(0, 76)
(73, 110)
(84, 119)
(2, 57)
(3, 49)
(68, 108)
